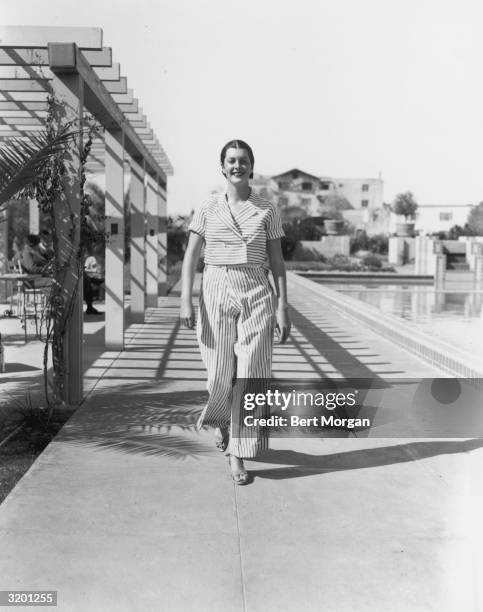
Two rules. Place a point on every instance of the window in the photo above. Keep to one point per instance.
(307, 186)
(306, 201)
(365, 187)
(325, 186)
(445, 216)
(295, 174)
(283, 185)
(365, 203)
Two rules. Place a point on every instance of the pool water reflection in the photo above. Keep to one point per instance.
(453, 316)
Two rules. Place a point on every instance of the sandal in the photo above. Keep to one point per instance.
(239, 477)
(221, 439)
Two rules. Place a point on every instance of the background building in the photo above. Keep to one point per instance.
(300, 193)
(440, 217)
(360, 200)
(361, 193)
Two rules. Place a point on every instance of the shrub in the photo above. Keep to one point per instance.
(372, 262)
(307, 254)
(339, 260)
(307, 265)
(177, 239)
(298, 230)
(379, 243)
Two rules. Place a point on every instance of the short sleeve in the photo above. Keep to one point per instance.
(197, 224)
(274, 224)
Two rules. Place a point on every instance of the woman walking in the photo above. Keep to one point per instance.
(241, 232)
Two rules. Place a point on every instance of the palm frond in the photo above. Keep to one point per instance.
(22, 160)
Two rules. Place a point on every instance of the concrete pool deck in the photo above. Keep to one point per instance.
(130, 509)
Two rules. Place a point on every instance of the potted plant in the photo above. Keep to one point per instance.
(405, 206)
(330, 208)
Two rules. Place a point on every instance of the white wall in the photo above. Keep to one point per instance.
(351, 188)
(428, 217)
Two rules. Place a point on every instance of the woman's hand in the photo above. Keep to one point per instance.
(187, 314)
(283, 324)
(277, 266)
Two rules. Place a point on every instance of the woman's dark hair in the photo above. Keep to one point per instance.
(238, 144)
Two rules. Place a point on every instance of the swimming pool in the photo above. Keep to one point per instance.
(455, 317)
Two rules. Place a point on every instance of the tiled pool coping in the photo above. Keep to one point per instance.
(403, 333)
(381, 277)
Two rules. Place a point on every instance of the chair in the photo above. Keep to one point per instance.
(31, 302)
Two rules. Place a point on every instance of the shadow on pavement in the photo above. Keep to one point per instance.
(140, 420)
(309, 465)
(331, 348)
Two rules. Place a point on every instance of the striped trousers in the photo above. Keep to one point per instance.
(235, 334)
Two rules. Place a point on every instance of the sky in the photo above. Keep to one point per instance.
(341, 88)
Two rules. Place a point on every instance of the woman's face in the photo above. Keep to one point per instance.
(236, 166)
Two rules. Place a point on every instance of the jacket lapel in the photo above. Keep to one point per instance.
(225, 216)
(248, 210)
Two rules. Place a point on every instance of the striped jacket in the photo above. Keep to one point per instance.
(239, 239)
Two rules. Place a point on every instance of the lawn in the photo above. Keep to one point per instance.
(24, 433)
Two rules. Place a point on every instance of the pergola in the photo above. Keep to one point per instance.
(81, 73)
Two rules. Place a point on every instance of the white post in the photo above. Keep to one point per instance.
(33, 216)
(470, 250)
(477, 252)
(70, 91)
(151, 244)
(162, 242)
(138, 251)
(115, 242)
(440, 270)
(393, 251)
(417, 254)
(3, 251)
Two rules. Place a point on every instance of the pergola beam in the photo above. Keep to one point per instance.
(138, 123)
(129, 108)
(110, 73)
(7, 85)
(19, 121)
(143, 132)
(116, 87)
(23, 114)
(123, 98)
(98, 101)
(18, 105)
(25, 72)
(40, 56)
(24, 96)
(34, 36)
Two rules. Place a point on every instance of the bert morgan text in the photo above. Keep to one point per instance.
(296, 421)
